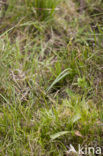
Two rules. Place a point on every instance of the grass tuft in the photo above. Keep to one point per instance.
(51, 77)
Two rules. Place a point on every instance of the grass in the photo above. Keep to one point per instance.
(45, 8)
(51, 78)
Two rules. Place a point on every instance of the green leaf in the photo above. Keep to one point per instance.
(60, 77)
(76, 118)
(57, 135)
